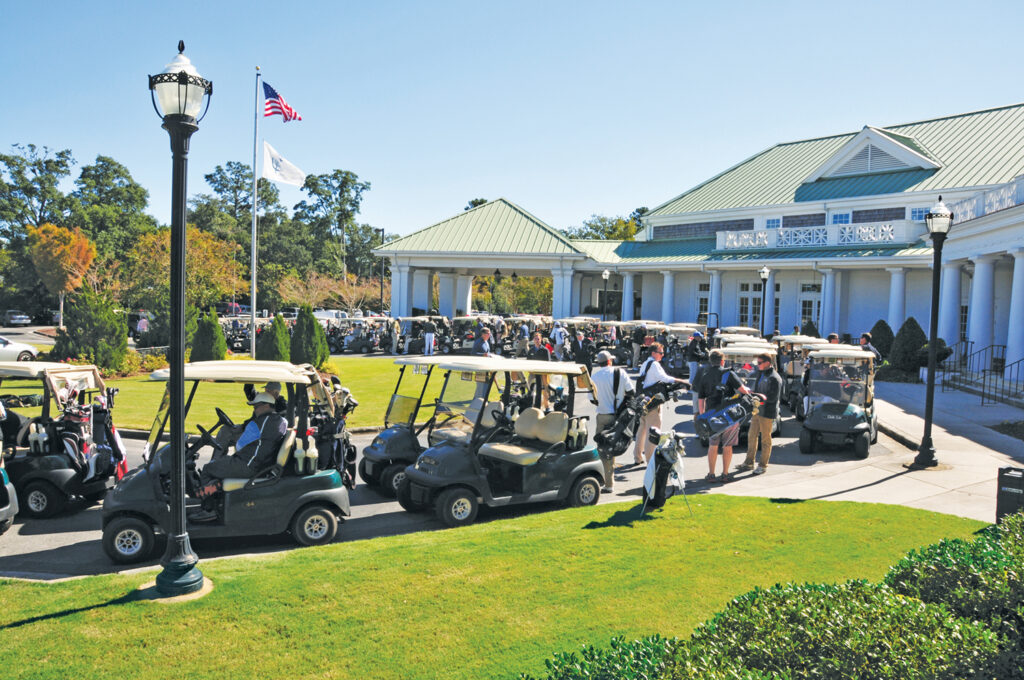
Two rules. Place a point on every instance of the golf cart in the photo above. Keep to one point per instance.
(8, 500)
(742, 330)
(791, 366)
(840, 396)
(304, 491)
(51, 460)
(462, 337)
(507, 458)
(742, 360)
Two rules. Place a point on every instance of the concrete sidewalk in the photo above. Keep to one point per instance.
(970, 455)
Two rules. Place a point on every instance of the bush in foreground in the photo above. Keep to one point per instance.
(882, 337)
(644, 658)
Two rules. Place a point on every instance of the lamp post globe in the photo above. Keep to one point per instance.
(177, 94)
(764, 273)
(939, 220)
(604, 302)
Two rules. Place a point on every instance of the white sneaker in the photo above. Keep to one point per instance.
(607, 489)
(759, 470)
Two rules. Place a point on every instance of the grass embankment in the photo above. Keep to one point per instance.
(488, 601)
(371, 379)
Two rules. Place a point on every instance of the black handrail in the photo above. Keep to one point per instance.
(1004, 385)
(956, 362)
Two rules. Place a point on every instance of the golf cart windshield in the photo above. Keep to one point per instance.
(838, 379)
(413, 378)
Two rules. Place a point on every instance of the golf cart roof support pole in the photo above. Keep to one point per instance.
(423, 390)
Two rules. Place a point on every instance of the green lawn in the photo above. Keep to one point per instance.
(487, 601)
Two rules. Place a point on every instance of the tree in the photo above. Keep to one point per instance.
(233, 186)
(159, 332)
(309, 346)
(61, 258)
(274, 343)
(333, 204)
(905, 347)
(809, 329)
(209, 343)
(109, 205)
(95, 332)
(29, 188)
(474, 202)
(604, 228)
(882, 337)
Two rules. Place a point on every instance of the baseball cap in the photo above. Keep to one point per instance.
(272, 386)
(603, 357)
(698, 334)
(263, 398)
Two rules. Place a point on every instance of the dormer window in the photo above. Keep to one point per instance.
(773, 223)
(917, 214)
(841, 218)
(874, 150)
(870, 159)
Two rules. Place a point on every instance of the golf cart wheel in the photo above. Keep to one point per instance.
(365, 349)
(314, 525)
(861, 445)
(363, 475)
(874, 435)
(25, 356)
(799, 410)
(404, 495)
(586, 491)
(5, 525)
(41, 499)
(446, 349)
(806, 441)
(456, 507)
(128, 539)
(391, 479)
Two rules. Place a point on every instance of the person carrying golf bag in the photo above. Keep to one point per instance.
(612, 388)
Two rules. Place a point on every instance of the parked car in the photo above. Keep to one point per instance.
(15, 317)
(16, 351)
(290, 312)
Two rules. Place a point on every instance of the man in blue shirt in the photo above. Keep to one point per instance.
(255, 449)
(482, 344)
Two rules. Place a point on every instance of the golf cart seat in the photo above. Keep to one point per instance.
(536, 434)
(266, 474)
(458, 436)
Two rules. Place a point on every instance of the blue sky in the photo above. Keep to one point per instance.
(566, 108)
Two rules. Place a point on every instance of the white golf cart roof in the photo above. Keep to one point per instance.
(750, 347)
(741, 330)
(33, 369)
(794, 339)
(733, 338)
(484, 364)
(243, 371)
(842, 353)
(746, 350)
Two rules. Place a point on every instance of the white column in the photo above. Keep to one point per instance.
(715, 297)
(399, 290)
(828, 303)
(949, 303)
(561, 293)
(463, 295)
(1015, 332)
(897, 297)
(421, 279)
(446, 294)
(627, 296)
(668, 297)
(577, 286)
(979, 325)
(770, 322)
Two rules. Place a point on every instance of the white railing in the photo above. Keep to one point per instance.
(985, 202)
(900, 231)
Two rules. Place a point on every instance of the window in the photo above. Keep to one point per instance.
(744, 287)
(773, 223)
(917, 214)
(703, 291)
(840, 218)
(810, 287)
(963, 322)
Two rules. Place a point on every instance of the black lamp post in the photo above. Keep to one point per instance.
(604, 303)
(939, 219)
(494, 290)
(764, 272)
(381, 230)
(180, 92)
(515, 302)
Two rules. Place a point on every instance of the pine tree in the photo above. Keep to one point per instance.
(93, 331)
(209, 343)
(809, 329)
(882, 337)
(309, 343)
(274, 344)
(159, 332)
(905, 347)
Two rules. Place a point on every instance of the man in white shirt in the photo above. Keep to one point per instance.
(558, 340)
(651, 373)
(609, 397)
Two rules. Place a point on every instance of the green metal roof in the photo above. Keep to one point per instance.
(697, 250)
(498, 226)
(979, 148)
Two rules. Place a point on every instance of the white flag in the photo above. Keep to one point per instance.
(277, 169)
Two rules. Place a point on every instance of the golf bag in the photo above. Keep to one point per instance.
(733, 410)
(667, 457)
(615, 439)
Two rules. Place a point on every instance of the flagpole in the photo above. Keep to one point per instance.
(255, 180)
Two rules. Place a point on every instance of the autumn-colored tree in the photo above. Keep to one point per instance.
(61, 258)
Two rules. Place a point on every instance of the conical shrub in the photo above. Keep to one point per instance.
(908, 341)
(309, 344)
(209, 343)
(274, 343)
(882, 337)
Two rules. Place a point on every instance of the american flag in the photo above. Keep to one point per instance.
(275, 104)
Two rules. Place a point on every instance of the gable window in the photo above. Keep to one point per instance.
(773, 223)
(917, 214)
(840, 218)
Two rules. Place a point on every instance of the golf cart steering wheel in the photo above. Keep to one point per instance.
(222, 418)
(205, 438)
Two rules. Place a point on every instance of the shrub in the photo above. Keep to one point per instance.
(882, 338)
(889, 373)
(942, 352)
(644, 658)
(209, 343)
(810, 330)
(851, 630)
(159, 332)
(274, 343)
(308, 345)
(93, 331)
(153, 362)
(906, 345)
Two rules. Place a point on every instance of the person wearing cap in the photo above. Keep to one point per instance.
(696, 354)
(609, 397)
(255, 449)
(273, 389)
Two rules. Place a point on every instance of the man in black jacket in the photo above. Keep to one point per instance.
(768, 387)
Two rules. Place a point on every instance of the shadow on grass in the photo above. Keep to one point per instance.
(624, 518)
(133, 596)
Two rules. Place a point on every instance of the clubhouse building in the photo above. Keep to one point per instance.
(838, 221)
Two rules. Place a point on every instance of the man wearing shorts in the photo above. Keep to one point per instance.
(715, 386)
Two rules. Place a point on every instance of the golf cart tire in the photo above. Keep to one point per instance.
(370, 481)
(862, 445)
(874, 435)
(127, 540)
(5, 525)
(806, 441)
(457, 507)
(446, 349)
(365, 349)
(404, 496)
(41, 499)
(314, 525)
(25, 356)
(586, 491)
(798, 410)
(391, 478)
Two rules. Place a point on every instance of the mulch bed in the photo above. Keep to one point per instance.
(1008, 427)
